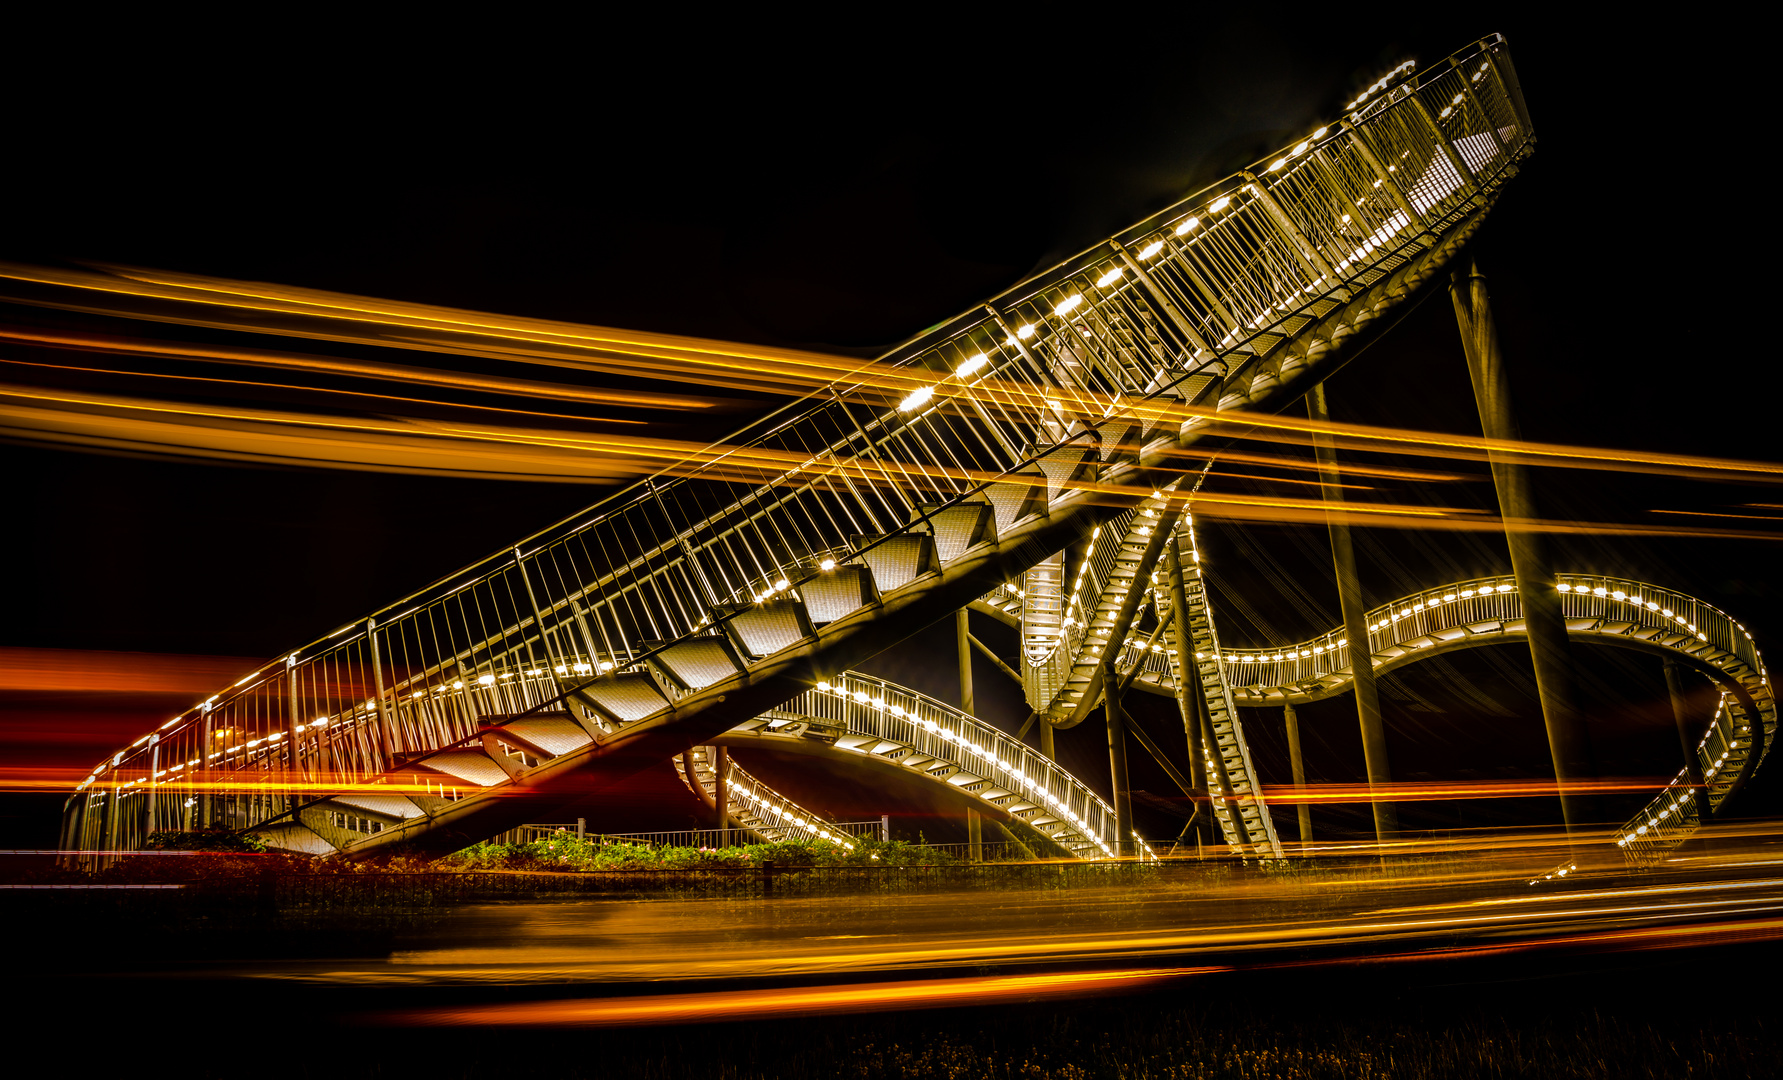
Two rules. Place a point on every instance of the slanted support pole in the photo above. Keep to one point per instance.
(963, 634)
(1568, 739)
(994, 658)
(1009, 838)
(1046, 743)
(1693, 765)
(1355, 627)
(1117, 760)
(1298, 765)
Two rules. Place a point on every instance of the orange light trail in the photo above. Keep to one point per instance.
(797, 371)
(804, 1001)
(91, 671)
(756, 1004)
(427, 447)
(433, 377)
(1445, 791)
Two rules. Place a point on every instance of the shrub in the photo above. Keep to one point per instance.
(218, 840)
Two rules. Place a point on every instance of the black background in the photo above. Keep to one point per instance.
(841, 182)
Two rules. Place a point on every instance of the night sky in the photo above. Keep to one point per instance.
(800, 185)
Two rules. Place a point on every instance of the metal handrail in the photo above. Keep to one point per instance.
(774, 811)
(872, 707)
(1204, 286)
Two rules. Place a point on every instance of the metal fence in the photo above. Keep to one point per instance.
(693, 838)
(1203, 290)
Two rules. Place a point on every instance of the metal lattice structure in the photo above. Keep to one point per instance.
(695, 600)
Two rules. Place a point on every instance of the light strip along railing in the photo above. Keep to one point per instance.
(1617, 607)
(765, 812)
(1679, 809)
(1045, 673)
(1096, 596)
(1416, 617)
(873, 707)
(1210, 285)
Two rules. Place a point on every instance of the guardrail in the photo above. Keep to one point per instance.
(693, 838)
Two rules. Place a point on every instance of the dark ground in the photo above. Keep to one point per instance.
(1631, 1016)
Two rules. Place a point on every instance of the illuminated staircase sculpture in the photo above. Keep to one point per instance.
(629, 633)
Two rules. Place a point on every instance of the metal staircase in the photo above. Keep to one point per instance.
(766, 814)
(858, 720)
(643, 627)
(1254, 831)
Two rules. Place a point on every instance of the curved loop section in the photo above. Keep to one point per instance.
(1484, 611)
(859, 714)
(771, 816)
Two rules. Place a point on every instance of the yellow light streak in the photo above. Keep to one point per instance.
(434, 377)
(703, 360)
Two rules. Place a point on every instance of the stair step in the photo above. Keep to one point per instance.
(959, 528)
(556, 735)
(1119, 439)
(469, 765)
(898, 559)
(1064, 466)
(764, 629)
(622, 698)
(1017, 499)
(837, 592)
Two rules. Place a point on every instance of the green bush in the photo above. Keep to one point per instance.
(567, 852)
(218, 840)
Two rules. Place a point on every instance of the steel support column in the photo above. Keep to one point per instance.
(151, 790)
(721, 767)
(207, 778)
(386, 732)
(1693, 765)
(295, 725)
(1568, 739)
(1355, 626)
(1298, 765)
(963, 634)
(1117, 759)
(974, 835)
